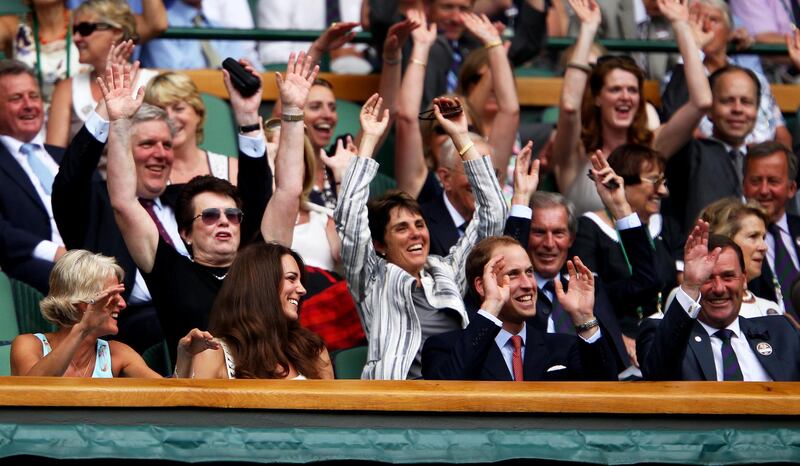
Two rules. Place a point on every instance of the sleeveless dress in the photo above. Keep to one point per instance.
(102, 363)
(230, 364)
(53, 58)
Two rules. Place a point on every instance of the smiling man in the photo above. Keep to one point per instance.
(769, 176)
(499, 345)
(709, 169)
(702, 336)
(29, 239)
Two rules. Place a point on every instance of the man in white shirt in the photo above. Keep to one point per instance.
(702, 336)
(29, 239)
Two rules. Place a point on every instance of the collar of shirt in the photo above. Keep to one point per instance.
(504, 336)
(783, 224)
(181, 14)
(734, 327)
(457, 218)
(639, 12)
(728, 147)
(541, 281)
(13, 144)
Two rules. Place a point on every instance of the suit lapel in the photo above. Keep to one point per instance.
(700, 346)
(794, 232)
(18, 176)
(535, 349)
(495, 366)
(759, 340)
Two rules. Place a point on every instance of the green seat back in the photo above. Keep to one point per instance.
(219, 129)
(9, 327)
(157, 357)
(5, 360)
(13, 7)
(550, 115)
(380, 184)
(29, 315)
(348, 363)
(348, 118)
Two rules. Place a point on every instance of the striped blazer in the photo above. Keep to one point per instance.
(382, 290)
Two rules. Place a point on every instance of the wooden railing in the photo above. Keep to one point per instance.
(532, 91)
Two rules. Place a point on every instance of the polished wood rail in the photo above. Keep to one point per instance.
(532, 91)
(739, 398)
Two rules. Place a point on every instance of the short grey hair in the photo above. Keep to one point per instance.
(14, 67)
(78, 276)
(149, 112)
(448, 158)
(720, 5)
(548, 200)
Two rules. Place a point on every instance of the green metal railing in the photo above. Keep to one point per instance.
(558, 43)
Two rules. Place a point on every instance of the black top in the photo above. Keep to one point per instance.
(654, 268)
(183, 292)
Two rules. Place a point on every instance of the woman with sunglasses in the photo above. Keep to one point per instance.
(177, 94)
(629, 244)
(209, 210)
(85, 301)
(603, 107)
(97, 26)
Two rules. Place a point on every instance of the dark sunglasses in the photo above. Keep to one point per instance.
(211, 215)
(86, 29)
(447, 112)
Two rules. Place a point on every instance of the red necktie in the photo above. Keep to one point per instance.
(148, 206)
(516, 359)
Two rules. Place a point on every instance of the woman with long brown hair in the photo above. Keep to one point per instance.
(603, 107)
(255, 320)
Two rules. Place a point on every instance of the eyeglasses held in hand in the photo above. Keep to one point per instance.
(86, 29)
(211, 215)
(447, 112)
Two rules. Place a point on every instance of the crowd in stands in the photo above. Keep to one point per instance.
(628, 242)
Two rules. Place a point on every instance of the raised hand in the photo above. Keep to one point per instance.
(100, 307)
(578, 301)
(610, 187)
(120, 53)
(697, 21)
(116, 89)
(793, 44)
(335, 36)
(396, 38)
(481, 27)
(245, 109)
(455, 125)
(698, 262)
(197, 341)
(424, 34)
(496, 286)
(339, 161)
(300, 76)
(373, 121)
(587, 12)
(526, 176)
(674, 10)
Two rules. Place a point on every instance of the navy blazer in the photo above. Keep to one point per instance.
(677, 347)
(472, 354)
(764, 286)
(24, 221)
(441, 229)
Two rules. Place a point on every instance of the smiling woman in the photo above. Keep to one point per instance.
(85, 302)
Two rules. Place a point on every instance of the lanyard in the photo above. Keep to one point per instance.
(36, 41)
(659, 303)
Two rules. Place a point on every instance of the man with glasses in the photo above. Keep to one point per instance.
(702, 336)
(29, 239)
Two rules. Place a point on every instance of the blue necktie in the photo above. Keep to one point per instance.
(455, 65)
(41, 171)
(730, 363)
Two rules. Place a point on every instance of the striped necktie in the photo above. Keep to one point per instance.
(455, 65)
(562, 322)
(785, 270)
(730, 363)
(148, 205)
(213, 59)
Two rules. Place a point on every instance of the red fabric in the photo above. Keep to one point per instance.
(329, 311)
(516, 358)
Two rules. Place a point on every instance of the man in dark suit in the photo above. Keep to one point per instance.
(769, 175)
(29, 239)
(498, 343)
(552, 232)
(709, 169)
(702, 336)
